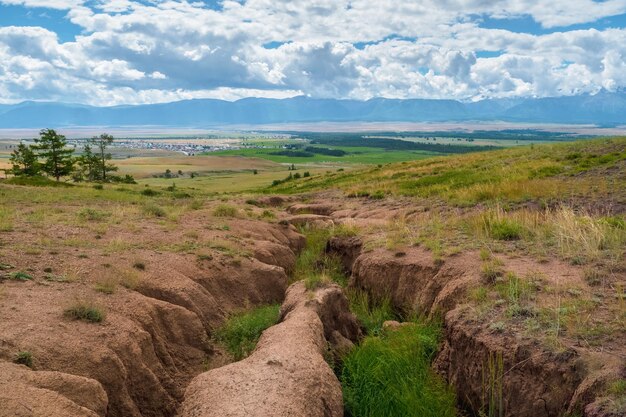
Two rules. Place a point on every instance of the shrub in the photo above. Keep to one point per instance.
(85, 311)
(390, 375)
(225, 210)
(241, 332)
(24, 358)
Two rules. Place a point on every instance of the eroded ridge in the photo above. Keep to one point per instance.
(287, 374)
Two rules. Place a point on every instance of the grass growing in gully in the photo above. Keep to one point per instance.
(390, 376)
(241, 332)
(314, 266)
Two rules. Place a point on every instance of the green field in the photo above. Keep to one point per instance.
(355, 155)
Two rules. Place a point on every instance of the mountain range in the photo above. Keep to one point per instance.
(603, 108)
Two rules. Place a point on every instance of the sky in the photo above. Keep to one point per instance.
(113, 52)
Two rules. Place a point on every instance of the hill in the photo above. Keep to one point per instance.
(603, 108)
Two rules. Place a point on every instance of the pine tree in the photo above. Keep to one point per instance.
(24, 161)
(100, 144)
(58, 161)
(88, 166)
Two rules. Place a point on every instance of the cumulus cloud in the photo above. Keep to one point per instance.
(136, 52)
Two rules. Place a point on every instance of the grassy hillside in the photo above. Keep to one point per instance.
(530, 173)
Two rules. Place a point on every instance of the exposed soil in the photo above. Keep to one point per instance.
(156, 335)
(286, 375)
(537, 379)
(152, 351)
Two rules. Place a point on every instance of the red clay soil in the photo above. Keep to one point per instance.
(286, 375)
(154, 339)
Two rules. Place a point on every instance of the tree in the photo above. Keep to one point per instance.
(58, 161)
(100, 144)
(24, 161)
(88, 166)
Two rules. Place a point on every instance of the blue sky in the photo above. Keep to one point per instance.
(107, 52)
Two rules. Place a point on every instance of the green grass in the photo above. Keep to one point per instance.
(314, 266)
(85, 311)
(24, 357)
(371, 315)
(241, 332)
(20, 276)
(356, 155)
(225, 210)
(154, 210)
(513, 175)
(390, 376)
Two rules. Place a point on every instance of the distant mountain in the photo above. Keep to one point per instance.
(603, 108)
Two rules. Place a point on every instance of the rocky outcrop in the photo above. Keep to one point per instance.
(286, 375)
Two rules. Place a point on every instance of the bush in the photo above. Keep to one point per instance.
(390, 375)
(85, 311)
(242, 331)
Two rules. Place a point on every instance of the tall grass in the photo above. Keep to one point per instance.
(314, 266)
(241, 332)
(577, 236)
(390, 376)
(492, 386)
(6, 219)
(371, 315)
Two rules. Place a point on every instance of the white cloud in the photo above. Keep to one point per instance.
(135, 52)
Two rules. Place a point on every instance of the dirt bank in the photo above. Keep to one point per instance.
(286, 375)
(534, 378)
(156, 333)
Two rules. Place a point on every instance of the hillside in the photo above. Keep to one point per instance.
(603, 108)
(484, 283)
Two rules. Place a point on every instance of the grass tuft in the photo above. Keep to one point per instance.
(85, 311)
(241, 332)
(371, 315)
(225, 210)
